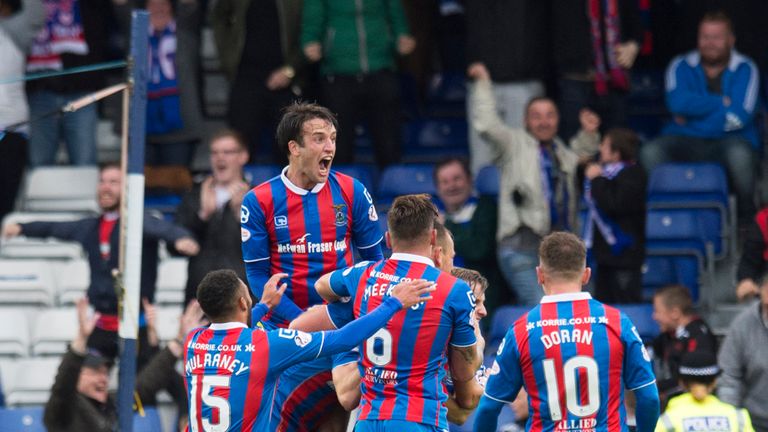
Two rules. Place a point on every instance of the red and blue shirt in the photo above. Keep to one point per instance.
(575, 357)
(402, 365)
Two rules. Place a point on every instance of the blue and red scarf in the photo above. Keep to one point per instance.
(62, 33)
(163, 105)
(608, 72)
(613, 235)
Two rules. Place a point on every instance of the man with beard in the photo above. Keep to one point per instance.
(712, 93)
(100, 238)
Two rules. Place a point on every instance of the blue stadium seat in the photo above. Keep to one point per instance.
(659, 271)
(487, 181)
(149, 422)
(683, 232)
(258, 174)
(641, 316)
(447, 95)
(405, 179)
(501, 321)
(433, 139)
(694, 186)
(29, 419)
(164, 203)
(366, 173)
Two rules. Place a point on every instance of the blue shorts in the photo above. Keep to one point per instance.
(394, 426)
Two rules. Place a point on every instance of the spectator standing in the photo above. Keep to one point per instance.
(258, 47)
(174, 117)
(595, 43)
(100, 238)
(211, 211)
(615, 227)
(712, 93)
(754, 255)
(75, 34)
(19, 23)
(356, 43)
(472, 220)
(682, 331)
(698, 406)
(538, 191)
(743, 358)
(511, 39)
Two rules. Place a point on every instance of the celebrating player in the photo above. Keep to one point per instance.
(403, 363)
(231, 369)
(573, 355)
(306, 221)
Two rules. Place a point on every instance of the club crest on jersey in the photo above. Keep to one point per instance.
(281, 222)
(340, 218)
(244, 235)
(245, 214)
(372, 215)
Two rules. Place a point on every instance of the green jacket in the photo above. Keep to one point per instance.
(228, 21)
(357, 36)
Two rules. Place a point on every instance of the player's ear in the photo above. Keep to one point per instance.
(540, 275)
(293, 147)
(433, 237)
(586, 275)
(387, 240)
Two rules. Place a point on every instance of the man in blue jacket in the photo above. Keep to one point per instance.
(100, 239)
(712, 93)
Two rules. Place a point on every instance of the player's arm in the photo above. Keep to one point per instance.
(457, 413)
(503, 386)
(463, 357)
(639, 378)
(271, 296)
(346, 379)
(366, 233)
(323, 287)
(314, 319)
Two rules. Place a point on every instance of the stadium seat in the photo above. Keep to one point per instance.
(365, 173)
(165, 203)
(171, 281)
(659, 271)
(168, 322)
(29, 381)
(27, 419)
(501, 321)
(683, 232)
(641, 316)
(26, 282)
(26, 247)
(405, 179)
(433, 139)
(61, 188)
(53, 329)
(14, 333)
(148, 421)
(694, 186)
(487, 181)
(447, 95)
(72, 280)
(258, 174)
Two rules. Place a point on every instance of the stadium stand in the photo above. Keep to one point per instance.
(27, 419)
(365, 173)
(14, 334)
(24, 247)
(659, 271)
(171, 280)
(28, 381)
(258, 174)
(487, 181)
(53, 330)
(641, 316)
(147, 421)
(72, 280)
(26, 282)
(404, 179)
(61, 188)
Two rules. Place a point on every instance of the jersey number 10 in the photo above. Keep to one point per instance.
(572, 396)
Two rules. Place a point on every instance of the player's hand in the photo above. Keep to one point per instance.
(626, 53)
(11, 230)
(187, 246)
(590, 121)
(272, 294)
(413, 292)
(478, 72)
(313, 51)
(278, 79)
(593, 170)
(746, 289)
(406, 44)
(207, 199)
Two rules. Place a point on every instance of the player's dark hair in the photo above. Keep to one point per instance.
(563, 256)
(411, 218)
(450, 160)
(294, 117)
(676, 296)
(718, 16)
(218, 293)
(625, 141)
(229, 133)
(471, 277)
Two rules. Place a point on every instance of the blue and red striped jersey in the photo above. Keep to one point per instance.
(305, 394)
(574, 356)
(307, 233)
(402, 365)
(231, 370)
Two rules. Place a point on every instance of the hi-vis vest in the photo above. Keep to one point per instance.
(686, 414)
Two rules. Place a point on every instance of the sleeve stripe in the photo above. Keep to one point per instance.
(327, 312)
(464, 346)
(345, 363)
(322, 341)
(371, 245)
(496, 399)
(256, 260)
(644, 385)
